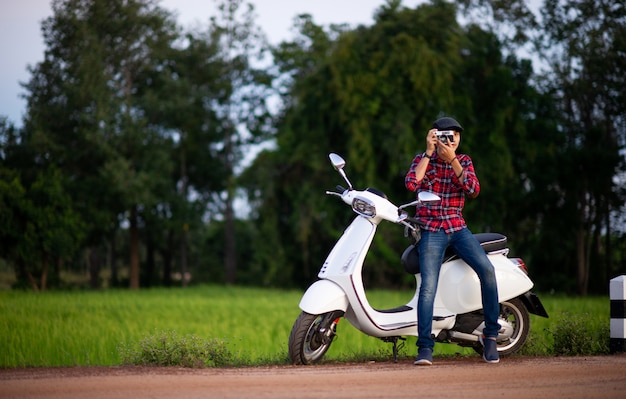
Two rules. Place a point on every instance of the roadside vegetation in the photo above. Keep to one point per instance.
(220, 326)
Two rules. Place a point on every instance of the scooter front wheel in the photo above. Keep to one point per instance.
(311, 336)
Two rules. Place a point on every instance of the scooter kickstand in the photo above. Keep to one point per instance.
(394, 341)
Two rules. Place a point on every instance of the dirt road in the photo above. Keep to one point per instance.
(559, 377)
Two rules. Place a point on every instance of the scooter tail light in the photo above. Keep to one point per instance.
(520, 263)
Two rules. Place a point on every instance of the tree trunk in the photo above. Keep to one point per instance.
(22, 274)
(230, 257)
(150, 262)
(115, 281)
(94, 268)
(32, 281)
(183, 238)
(57, 267)
(183, 256)
(134, 250)
(581, 262)
(167, 268)
(44, 270)
(166, 255)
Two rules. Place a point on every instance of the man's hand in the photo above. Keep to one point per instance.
(431, 142)
(445, 151)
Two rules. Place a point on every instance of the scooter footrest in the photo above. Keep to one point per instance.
(399, 309)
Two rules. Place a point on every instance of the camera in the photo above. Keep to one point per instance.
(445, 136)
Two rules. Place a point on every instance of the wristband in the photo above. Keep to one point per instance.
(427, 156)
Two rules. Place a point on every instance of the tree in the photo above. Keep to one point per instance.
(180, 102)
(579, 46)
(241, 105)
(216, 91)
(367, 95)
(147, 128)
(588, 78)
(83, 114)
(39, 226)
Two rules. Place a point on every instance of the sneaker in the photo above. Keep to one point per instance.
(490, 349)
(424, 357)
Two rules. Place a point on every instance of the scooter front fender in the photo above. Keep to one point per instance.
(323, 296)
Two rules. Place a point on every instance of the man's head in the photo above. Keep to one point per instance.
(447, 123)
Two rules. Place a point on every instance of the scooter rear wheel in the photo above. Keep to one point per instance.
(515, 313)
(311, 336)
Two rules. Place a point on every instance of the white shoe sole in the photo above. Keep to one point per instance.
(491, 361)
(484, 358)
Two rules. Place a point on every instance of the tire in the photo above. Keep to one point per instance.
(515, 313)
(311, 336)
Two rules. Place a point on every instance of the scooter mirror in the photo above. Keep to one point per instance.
(427, 197)
(337, 161)
(338, 164)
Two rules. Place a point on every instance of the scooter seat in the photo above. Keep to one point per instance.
(489, 241)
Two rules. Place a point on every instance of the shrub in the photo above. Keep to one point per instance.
(166, 348)
(575, 335)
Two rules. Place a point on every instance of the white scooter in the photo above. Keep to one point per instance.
(458, 316)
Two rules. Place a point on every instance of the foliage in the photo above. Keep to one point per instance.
(578, 49)
(367, 93)
(591, 103)
(142, 125)
(167, 348)
(243, 103)
(85, 119)
(41, 229)
(367, 98)
(576, 326)
(137, 135)
(574, 335)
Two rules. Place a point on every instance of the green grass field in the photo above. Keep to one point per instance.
(86, 328)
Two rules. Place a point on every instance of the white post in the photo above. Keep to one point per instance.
(617, 290)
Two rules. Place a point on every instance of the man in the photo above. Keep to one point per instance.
(441, 171)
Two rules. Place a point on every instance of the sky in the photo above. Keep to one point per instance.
(21, 41)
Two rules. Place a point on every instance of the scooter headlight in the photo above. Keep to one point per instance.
(364, 207)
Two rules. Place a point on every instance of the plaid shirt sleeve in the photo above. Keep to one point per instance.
(440, 179)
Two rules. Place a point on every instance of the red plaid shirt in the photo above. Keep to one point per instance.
(440, 179)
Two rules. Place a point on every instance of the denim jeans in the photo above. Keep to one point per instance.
(432, 247)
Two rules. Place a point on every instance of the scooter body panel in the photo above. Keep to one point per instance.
(342, 268)
(324, 296)
(459, 287)
(350, 250)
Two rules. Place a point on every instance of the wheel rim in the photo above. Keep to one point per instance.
(512, 315)
(318, 338)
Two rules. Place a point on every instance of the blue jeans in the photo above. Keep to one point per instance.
(432, 247)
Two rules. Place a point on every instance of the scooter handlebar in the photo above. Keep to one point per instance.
(338, 193)
(415, 221)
